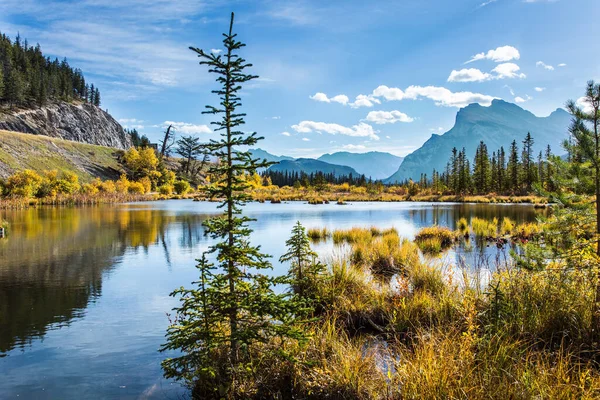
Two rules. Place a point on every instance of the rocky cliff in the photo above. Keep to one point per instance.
(82, 122)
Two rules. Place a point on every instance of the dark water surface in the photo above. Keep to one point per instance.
(84, 292)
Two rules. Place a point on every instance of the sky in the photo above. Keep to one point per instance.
(334, 75)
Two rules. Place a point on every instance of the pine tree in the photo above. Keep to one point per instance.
(304, 268)
(513, 168)
(1, 81)
(481, 170)
(97, 98)
(234, 306)
(527, 163)
(501, 170)
(585, 131)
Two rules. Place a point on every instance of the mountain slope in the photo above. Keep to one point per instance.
(497, 125)
(19, 151)
(80, 122)
(374, 164)
(262, 154)
(309, 165)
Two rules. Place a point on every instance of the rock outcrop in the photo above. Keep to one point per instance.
(81, 122)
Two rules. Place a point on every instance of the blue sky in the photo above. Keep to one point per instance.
(334, 75)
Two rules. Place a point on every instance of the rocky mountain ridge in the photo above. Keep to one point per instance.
(80, 122)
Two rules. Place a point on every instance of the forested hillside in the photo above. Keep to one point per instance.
(29, 78)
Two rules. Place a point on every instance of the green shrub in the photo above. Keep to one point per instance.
(181, 187)
(165, 190)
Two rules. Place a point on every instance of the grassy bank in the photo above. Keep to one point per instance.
(21, 151)
(341, 194)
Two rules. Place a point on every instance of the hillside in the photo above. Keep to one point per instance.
(19, 151)
(497, 125)
(80, 122)
(309, 165)
(374, 164)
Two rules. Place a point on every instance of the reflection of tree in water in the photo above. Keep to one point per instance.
(52, 264)
(448, 215)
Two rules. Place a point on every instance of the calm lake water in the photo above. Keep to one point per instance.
(84, 292)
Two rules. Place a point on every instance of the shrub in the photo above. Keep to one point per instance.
(146, 183)
(165, 190)
(181, 187)
(107, 187)
(136, 188)
(89, 189)
(23, 184)
(122, 184)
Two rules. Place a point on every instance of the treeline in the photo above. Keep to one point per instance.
(27, 77)
(501, 172)
(316, 179)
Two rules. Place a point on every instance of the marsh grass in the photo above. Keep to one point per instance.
(435, 239)
(526, 334)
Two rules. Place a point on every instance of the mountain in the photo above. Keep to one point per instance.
(374, 164)
(309, 165)
(262, 154)
(79, 122)
(497, 125)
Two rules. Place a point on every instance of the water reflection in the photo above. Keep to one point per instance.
(89, 286)
(51, 265)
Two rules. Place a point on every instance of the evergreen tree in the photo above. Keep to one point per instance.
(304, 268)
(234, 306)
(528, 165)
(513, 168)
(97, 98)
(190, 148)
(481, 170)
(585, 132)
(501, 170)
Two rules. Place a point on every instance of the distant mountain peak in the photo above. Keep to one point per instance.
(497, 125)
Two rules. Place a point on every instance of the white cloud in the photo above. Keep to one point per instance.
(286, 134)
(486, 3)
(388, 93)
(440, 95)
(364, 101)
(469, 75)
(322, 97)
(360, 130)
(540, 89)
(187, 128)
(562, 65)
(500, 54)
(276, 117)
(584, 104)
(354, 147)
(305, 139)
(520, 99)
(360, 101)
(216, 51)
(544, 65)
(388, 117)
(130, 121)
(508, 70)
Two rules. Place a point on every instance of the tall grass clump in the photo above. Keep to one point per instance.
(484, 228)
(434, 239)
(463, 226)
(317, 234)
(507, 226)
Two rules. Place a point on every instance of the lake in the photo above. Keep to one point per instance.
(84, 292)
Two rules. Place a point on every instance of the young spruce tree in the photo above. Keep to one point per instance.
(233, 306)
